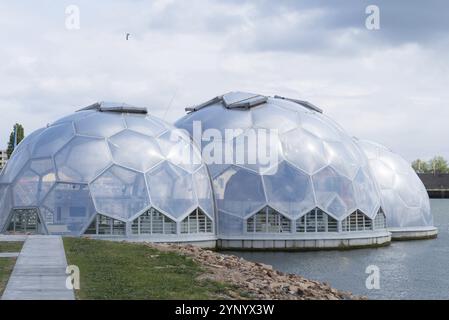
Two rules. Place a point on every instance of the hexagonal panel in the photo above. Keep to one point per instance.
(144, 125)
(336, 207)
(120, 192)
(239, 191)
(203, 190)
(289, 190)
(68, 208)
(82, 159)
(270, 116)
(405, 187)
(14, 165)
(366, 193)
(171, 189)
(340, 157)
(256, 149)
(33, 183)
(179, 150)
(73, 117)
(135, 150)
(100, 124)
(385, 175)
(327, 184)
(217, 117)
(51, 140)
(304, 150)
(319, 128)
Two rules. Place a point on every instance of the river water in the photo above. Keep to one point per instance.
(408, 270)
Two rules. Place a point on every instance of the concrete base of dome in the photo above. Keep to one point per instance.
(307, 242)
(413, 233)
(203, 241)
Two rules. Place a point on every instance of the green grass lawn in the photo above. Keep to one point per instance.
(117, 270)
(10, 246)
(6, 266)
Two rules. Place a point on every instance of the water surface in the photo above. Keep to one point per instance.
(408, 270)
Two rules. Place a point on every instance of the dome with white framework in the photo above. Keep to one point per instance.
(282, 171)
(404, 198)
(108, 170)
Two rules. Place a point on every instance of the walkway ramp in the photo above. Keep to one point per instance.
(39, 273)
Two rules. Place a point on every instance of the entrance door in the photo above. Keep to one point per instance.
(25, 221)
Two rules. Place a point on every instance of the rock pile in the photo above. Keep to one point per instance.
(253, 280)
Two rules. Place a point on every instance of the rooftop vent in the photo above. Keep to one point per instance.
(115, 107)
(303, 103)
(233, 100)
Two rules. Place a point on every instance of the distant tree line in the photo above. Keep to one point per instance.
(436, 165)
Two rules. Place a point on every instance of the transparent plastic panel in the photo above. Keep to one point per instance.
(270, 116)
(5, 204)
(327, 184)
(394, 161)
(34, 182)
(384, 175)
(135, 150)
(217, 117)
(82, 159)
(256, 149)
(304, 150)
(68, 209)
(171, 190)
(74, 117)
(51, 140)
(28, 142)
(229, 224)
(319, 128)
(337, 207)
(144, 125)
(100, 124)
(398, 214)
(407, 190)
(14, 165)
(203, 190)
(179, 150)
(239, 191)
(342, 159)
(120, 193)
(371, 150)
(289, 190)
(367, 195)
(25, 189)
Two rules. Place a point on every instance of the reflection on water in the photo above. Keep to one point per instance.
(408, 270)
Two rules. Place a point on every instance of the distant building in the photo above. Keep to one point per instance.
(3, 158)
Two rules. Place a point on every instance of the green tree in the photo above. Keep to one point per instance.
(20, 135)
(438, 165)
(420, 166)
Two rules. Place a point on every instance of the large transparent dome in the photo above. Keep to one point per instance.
(319, 182)
(404, 197)
(105, 170)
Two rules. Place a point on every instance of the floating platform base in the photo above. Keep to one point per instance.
(413, 233)
(312, 242)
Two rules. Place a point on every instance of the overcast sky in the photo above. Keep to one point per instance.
(389, 85)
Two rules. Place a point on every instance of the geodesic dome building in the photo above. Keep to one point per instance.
(404, 198)
(317, 191)
(108, 170)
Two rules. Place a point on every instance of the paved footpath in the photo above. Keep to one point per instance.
(39, 273)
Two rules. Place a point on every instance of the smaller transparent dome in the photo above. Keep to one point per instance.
(404, 197)
(108, 169)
